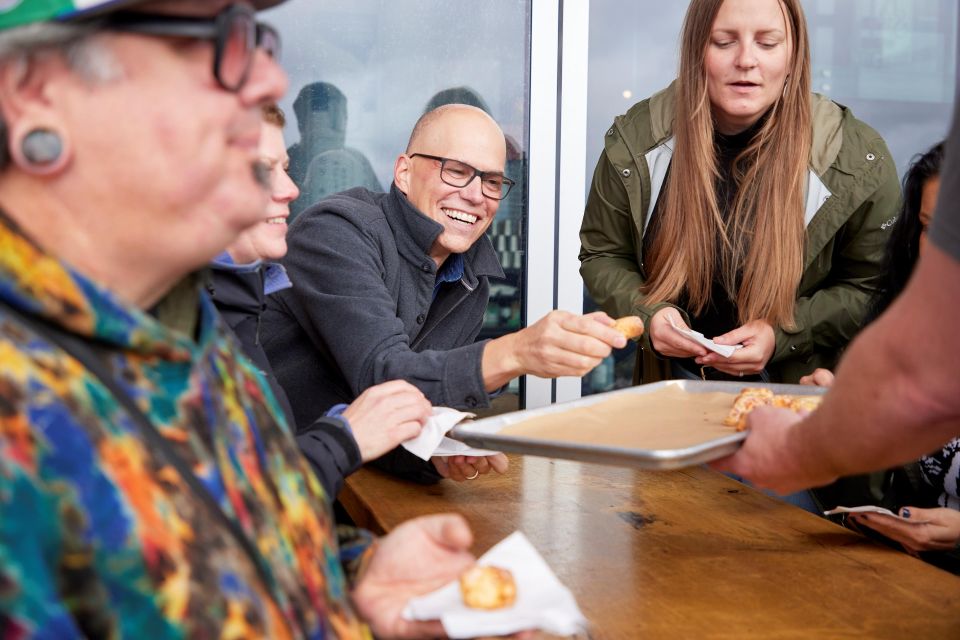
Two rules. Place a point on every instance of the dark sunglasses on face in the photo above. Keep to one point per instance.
(235, 33)
(493, 184)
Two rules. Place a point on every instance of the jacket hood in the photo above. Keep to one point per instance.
(826, 117)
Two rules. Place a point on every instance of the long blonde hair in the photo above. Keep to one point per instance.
(764, 234)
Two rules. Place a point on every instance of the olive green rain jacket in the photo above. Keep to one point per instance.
(852, 199)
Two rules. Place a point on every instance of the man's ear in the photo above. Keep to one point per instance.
(28, 106)
(401, 173)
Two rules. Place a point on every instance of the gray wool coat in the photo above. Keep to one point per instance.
(361, 310)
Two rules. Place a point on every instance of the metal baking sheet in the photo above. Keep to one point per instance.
(485, 433)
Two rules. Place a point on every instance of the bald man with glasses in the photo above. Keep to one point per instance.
(395, 286)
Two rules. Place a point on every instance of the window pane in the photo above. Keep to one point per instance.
(363, 71)
(893, 62)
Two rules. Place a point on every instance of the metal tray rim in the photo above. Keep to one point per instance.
(484, 433)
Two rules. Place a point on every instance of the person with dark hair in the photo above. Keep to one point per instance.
(321, 111)
(920, 186)
(246, 273)
(149, 485)
(895, 394)
(936, 482)
(457, 95)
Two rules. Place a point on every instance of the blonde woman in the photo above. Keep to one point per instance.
(740, 205)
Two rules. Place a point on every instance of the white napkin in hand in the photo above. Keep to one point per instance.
(542, 601)
(432, 440)
(873, 509)
(725, 350)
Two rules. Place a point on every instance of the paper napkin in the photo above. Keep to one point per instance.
(542, 601)
(725, 350)
(872, 509)
(432, 440)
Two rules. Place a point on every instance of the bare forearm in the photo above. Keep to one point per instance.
(895, 396)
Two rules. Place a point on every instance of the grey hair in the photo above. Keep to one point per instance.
(83, 52)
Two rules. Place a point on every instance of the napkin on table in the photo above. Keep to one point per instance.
(542, 601)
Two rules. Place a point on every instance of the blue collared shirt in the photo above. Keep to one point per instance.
(275, 277)
(450, 271)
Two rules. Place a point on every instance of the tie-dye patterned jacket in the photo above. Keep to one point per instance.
(100, 538)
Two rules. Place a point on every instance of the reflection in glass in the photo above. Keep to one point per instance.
(321, 163)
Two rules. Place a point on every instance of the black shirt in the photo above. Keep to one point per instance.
(720, 314)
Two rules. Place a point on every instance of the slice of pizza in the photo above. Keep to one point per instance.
(747, 401)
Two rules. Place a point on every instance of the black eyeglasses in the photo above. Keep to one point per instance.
(235, 32)
(493, 184)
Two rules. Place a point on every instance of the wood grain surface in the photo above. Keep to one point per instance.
(683, 554)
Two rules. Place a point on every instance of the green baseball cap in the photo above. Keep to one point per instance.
(17, 13)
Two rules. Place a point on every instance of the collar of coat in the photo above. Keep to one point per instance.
(826, 117)
(416, 232)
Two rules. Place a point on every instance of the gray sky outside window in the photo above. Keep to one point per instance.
(389, 57)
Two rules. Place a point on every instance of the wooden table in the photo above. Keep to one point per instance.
(683, 554)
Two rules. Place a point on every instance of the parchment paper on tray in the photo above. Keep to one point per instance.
(432, 440)
(669, 418)
(542, 601)
(662, 425)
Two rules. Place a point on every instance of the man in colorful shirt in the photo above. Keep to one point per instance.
(149, 484)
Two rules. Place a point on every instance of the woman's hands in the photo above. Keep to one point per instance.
(668, 342)
(759, 342)
(757, 337)
(929, 529)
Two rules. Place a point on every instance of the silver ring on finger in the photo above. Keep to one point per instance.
(474, 476)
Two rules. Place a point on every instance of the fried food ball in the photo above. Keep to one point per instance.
(629, 326)
(487, 588)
